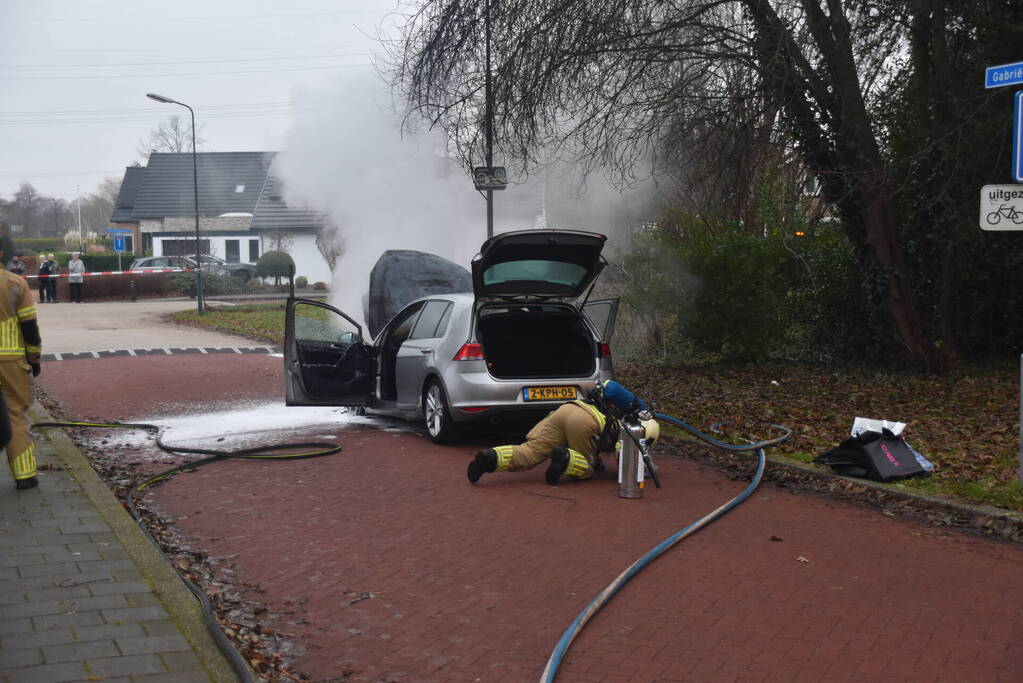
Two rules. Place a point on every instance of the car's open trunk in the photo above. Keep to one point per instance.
(535, 340)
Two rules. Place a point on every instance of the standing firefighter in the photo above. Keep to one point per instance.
(573, 436)
(20, 348)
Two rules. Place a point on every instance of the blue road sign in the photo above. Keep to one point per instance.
(1017, 139)
(118, 242)
(1006, 74)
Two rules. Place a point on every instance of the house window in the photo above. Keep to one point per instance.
(238, 189)
(253, 251)
(231, 251)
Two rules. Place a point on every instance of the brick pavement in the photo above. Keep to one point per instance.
(81, 595)
(384, 564)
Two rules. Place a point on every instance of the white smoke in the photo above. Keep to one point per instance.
(347, 157)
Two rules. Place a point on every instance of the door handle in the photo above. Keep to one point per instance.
(425, 351)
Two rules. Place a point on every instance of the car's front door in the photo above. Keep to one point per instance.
(326, 361)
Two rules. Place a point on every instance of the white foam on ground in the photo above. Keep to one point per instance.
(246, 426)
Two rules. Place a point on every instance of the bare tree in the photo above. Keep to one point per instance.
(172, 135)
(620, 82)
(328, 242)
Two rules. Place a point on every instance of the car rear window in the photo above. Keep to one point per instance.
(558, 273)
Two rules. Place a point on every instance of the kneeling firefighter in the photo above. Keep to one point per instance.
(573, 436)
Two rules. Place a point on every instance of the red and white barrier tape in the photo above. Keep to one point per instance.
(115, 272)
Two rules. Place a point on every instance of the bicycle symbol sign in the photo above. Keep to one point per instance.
(1001, 207)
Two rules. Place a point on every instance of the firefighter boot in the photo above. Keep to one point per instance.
(27, 483)
(560, 459)
(485, 461)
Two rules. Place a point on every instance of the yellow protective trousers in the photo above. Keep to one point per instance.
(16, 377)
(573, 426)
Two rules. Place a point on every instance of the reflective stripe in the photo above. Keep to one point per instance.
(578, 465)
(504, 456)
(26, 313)
(10, 338)
(33, 349)
(597, 415)
(24, 466)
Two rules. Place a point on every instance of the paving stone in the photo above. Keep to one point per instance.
(16, 659)
(126, 665)
(38, 639)
(181, 661)
(108, 632)
(49, 621)
(52, 673)
(163, 627)
(131, 614)
(177, 677)
(79, 651)
(152, 644)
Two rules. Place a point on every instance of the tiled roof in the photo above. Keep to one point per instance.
(272, 213)
(126, 195)
(229, 182)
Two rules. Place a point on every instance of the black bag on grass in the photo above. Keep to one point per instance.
(880, 456)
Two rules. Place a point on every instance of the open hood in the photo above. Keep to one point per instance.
(537, 264)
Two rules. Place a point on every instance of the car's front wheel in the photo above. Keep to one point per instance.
(437, 415)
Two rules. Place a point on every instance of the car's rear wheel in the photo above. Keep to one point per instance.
(437, 415)
(242, 275)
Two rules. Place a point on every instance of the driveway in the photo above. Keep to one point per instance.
(382, 563)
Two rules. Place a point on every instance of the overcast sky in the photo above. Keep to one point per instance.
(74, 75)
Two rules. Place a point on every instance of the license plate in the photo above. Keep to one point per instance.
(549, 394)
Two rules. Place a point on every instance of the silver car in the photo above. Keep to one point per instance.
(519, 344)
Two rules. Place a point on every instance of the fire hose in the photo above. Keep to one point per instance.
(551, 670)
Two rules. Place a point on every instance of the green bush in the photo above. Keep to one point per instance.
(274, 264)
(319, 287)
(301, 282)
(212, 285)
(101, 262)
(731, 296)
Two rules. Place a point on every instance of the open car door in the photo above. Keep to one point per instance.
(326, 361)
(602, 314)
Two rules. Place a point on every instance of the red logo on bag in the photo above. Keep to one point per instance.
(888, 454)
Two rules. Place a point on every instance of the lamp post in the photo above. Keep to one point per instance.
(489, 123)
(195, 183)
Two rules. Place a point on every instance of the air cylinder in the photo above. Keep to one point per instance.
(631, 471)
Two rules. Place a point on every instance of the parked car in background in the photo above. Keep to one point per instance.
(210, 264)
(521, 342)
(218, 266)
(151, 263)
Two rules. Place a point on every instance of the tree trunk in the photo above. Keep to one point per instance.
(878, 215)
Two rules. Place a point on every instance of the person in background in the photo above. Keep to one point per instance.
(75, 269)
(44, 278)
(51, 282)
(16, 265)
(20, 358)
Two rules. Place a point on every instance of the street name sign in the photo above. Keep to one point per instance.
(119, 231)
(1005, 74)
(1001, 207)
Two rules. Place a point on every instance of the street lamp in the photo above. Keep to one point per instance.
(195, 183)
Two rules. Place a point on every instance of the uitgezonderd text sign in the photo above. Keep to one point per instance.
(1001, 207)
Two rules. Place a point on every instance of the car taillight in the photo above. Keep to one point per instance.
(470, 352)
(603, 350)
